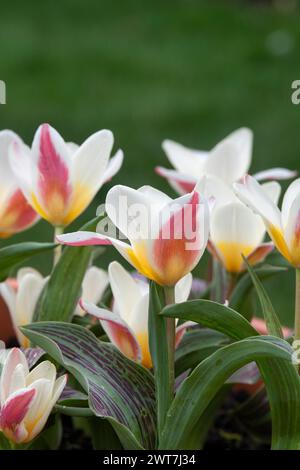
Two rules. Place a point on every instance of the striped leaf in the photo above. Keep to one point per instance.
(118, 389)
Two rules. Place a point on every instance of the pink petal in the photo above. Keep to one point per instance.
(116, 329)
(83, 239)
(15, 408)
(260, 253)
(260, 325)
(18, 215)
(180, 331)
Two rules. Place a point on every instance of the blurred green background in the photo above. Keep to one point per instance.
(189, 70)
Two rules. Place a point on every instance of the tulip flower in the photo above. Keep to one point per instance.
(59, 179)
(227, 162)
(94, 284)
(21, 298)
(166, 237)
(235, 231)
(15, 212)
(27, 398)
(282, 226)
(127, 324)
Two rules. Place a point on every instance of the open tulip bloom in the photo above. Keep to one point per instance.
(27, 398)
(166, 237)
(59, 179)
(227, 162)
(15, 212)
(127, 324)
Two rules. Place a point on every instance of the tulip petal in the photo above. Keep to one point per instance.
(184, 159)
(81, 238)
(260, 253)
(230, 159)
(181, 240)
(17, 380)
(14, 410)
(183, 288)
(275, 174)
(118, 331)
(235, 230)
(180, 182)
(292, 231)
(155, 196)
(53, 186)
(125, 290)
(14, 357)
(180, 331)
(44, 370)
(8, 181)
(273, 190)
(113, 166)
(93, 286)
(289, 197)
(17, 215)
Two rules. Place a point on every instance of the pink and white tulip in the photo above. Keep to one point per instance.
(283, 226)
(94, 284)
(16, 214)
(127, 324)
(227, 162)
(235, 231)
(59, 179)
(27, 398)
(166, 238)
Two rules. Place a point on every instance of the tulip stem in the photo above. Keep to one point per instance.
(170, 299)
(58, 230)
(297, 306)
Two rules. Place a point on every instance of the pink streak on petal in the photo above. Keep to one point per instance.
(20, 212)
(260, 253)
(87, 242)
(172, 253)
(15, 409)
(185, 185)
(54, 174)
(260, 325)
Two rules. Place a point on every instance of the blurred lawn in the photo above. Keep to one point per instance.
(184, 69)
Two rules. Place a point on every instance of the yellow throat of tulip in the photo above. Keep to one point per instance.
(231, 255)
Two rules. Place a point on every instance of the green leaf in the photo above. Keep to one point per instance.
(196, 345)
(197, 391)
(118, 389)
(280, 377)
(15, 254)
(159, 352)
(244, 286)
(61, 293)
(4, 443)
(272, 321)
(209, 314)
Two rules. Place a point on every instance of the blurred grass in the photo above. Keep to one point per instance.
(184, 69)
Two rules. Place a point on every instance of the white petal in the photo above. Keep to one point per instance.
(72, 147)
(155, 196)
(230, 159)
(183, 288)
(125, 290)
(94, 284)
(251, 193)
(9, 295)
(28, 294)
(90, 161)
(184, 159)
(40, 407)
(273, 190)
(17, 381)
(113, 166)
(14, 357)
(8, 181)
(275, 174)
(139, 315)
(290, 195)
(180, 182)
(44, 370)
(292, 230)
(21, 163)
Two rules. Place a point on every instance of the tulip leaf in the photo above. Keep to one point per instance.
(16, 254)
(61, 293)
(280, 376)
(245, 285)
(196, 345)
(197, 391)
(118, 389)
(272, 321)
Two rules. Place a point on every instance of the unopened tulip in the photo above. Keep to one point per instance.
(235, 231)
(21, 298)
(15, 212)
(27, 398)
(60, 179)
(283, 226)
(227, 162)
(166, 237)
(127, 325)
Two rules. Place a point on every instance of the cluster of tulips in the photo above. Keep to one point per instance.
(144, 315)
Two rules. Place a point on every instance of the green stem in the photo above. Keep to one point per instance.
(297, 306)
(58, 230)
(170, 299)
